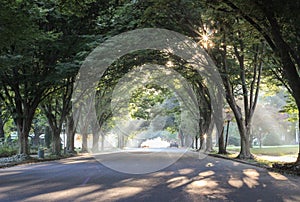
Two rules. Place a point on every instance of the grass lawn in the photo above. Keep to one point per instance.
(277, 151)
(268, 155)
(270, 150)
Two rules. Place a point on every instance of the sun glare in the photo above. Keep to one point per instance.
(205, 37)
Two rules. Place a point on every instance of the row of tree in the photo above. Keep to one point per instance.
(43, 44)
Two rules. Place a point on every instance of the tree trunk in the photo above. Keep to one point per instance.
(23, 143)
(36, 139)
(209, 143)
(202, 141)
(222, 149)
(181, 138)
(227, 131)
(95, 141)
(23, 127)
(245, 152)
(48, 136)
(56, 143)
(95, 132)
(2, 137)
(70, 134)
(102, 140)
(196, 142)
(209, 138)
(298, 158)
(84, 142)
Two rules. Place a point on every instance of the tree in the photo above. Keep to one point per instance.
(278, 23)
(238, 52)
(4, 117)
(56, 108)
(24, 75)
(41, 44)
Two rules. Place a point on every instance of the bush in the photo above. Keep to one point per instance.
(232, 140)
(7, 149)
(34, 149)
(272, 140)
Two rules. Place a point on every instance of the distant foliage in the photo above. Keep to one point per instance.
(272, 140)
(232, 140)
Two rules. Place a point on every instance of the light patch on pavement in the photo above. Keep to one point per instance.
(10, 173)
(236, 164)
(118, 193)
(251, 173)
(251, 183)
(235, 182)
(206, 173)
(186, 171)
(74, 162)
(251, 179)
(64, 194)
(177, 182)
(208, 188)
(139, 182)
(204, 187)
(277, 176)
(163, 174)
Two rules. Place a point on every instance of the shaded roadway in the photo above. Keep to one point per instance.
(83, 178)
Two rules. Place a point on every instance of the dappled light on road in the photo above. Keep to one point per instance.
(10, 173)
(62, 195)
(177, 182)
(162, 174)
(189, 179)
(251, 179)
(206, 187)
(186, 171)
(277, 176)
(206, 173)
(235, 182)
(118, 193)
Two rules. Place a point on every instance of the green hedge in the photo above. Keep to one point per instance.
(7, 150)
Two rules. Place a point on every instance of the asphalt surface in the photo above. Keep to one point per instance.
(188, 178)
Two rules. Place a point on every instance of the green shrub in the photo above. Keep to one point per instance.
(272, 140)
(232, 140)
(34, 149)
(7, 149)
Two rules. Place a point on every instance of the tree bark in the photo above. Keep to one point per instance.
(56, 143)
(48, 136)
(23, 144)
(245, 152)
(2, 135)
(227, 131)
(202, 141)
(95, 141)
(209, 138)
(84, 142)
(196, 142)
(23, 127)
(70, 134)
(102, 140)
(298, 158)
(222, 149)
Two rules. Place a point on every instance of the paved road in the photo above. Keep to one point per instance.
(188, 179)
